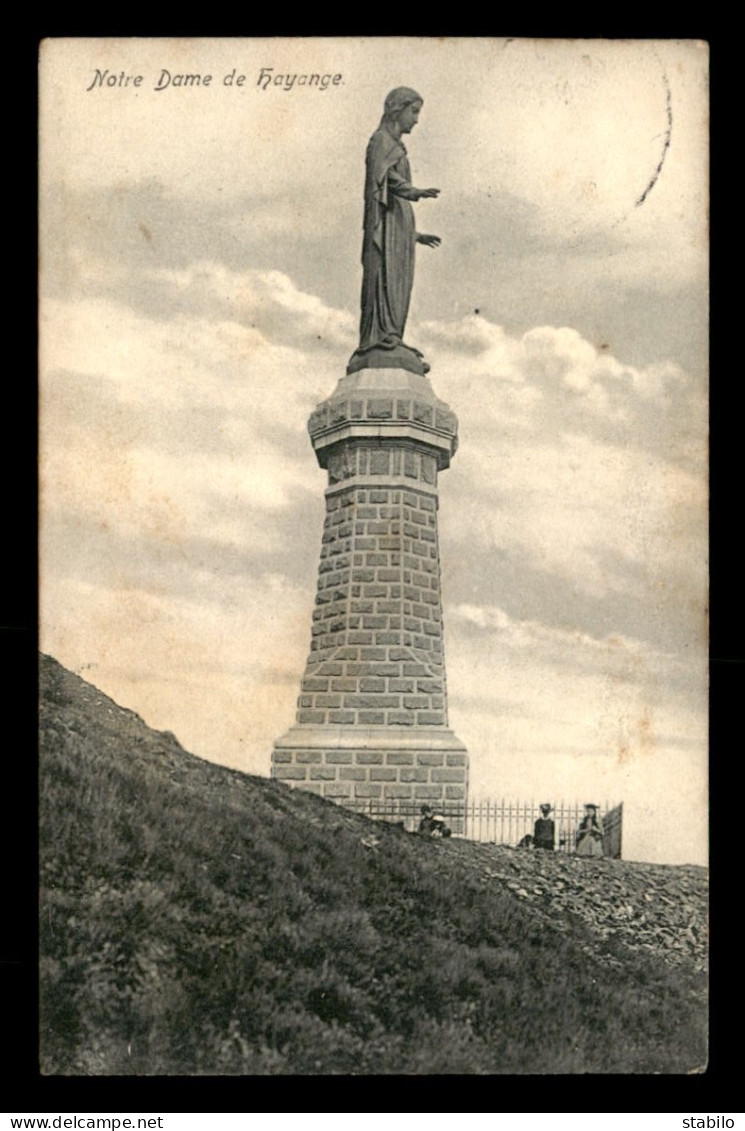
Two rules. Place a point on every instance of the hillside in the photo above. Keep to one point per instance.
(196, 920)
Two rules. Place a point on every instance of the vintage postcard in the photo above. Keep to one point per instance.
(478, 268)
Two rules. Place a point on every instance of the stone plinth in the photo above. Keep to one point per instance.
(372, 718)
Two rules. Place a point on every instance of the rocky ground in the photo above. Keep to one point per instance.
(644, 907)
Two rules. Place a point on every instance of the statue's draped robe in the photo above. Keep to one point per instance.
(388, 244)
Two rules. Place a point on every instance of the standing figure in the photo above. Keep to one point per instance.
(389, 241)
(590, 833)
(544, 830)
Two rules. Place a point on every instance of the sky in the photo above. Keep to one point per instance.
(200, 276)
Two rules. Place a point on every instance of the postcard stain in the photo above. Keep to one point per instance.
(641, 743)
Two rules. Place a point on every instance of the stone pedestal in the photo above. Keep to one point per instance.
(372, 719)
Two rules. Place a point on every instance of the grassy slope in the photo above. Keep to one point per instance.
(197, 920)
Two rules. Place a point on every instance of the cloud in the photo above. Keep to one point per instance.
(622, 658)
(553, 369)
(553, 358)
(240, 357)
(578, 494)
(182, 434)
(269, 300)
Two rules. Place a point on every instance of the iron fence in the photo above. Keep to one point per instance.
(499, 822)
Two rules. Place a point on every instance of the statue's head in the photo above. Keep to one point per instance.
(402, 107)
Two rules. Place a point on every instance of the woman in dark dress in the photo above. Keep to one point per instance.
(544, 830)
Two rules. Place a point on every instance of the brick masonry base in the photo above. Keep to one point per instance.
(382, 763)
(372, 723)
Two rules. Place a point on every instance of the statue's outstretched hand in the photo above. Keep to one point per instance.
(428, 241)
(428, 192)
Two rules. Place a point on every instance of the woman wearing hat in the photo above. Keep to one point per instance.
(544, 830)
(590, 833)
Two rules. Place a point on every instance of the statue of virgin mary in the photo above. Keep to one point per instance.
(389, 241)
